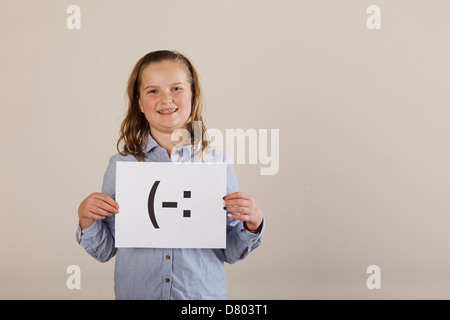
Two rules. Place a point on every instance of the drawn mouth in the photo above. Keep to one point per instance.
(151, 201)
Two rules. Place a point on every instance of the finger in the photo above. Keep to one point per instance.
(107, 199)
(238, 202)
(240, 217)
(105, 206)
(100, 211)
(242, 210)
(95, 216)
(237, 195)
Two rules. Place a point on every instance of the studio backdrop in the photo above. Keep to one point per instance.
(342, 109)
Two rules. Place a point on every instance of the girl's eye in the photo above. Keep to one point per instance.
(176, 89)
(152, 91)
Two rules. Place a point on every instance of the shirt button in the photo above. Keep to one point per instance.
(167, 257)
(167, 280)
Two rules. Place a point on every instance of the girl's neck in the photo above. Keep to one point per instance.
(164, 139)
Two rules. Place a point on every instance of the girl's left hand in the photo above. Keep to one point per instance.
(246, 205)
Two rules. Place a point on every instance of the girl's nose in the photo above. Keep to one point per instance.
(167, 97)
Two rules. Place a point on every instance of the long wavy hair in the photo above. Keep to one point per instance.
(135, 127)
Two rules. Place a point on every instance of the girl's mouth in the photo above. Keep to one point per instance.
(167, 111)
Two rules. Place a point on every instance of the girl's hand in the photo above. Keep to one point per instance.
(96, 206)
(246, 205)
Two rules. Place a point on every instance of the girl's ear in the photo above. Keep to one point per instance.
(140, 106)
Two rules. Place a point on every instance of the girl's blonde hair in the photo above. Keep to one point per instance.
(135, 127)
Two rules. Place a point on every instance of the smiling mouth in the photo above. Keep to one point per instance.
(166, 111)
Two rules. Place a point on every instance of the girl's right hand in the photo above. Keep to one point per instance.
(96, 206)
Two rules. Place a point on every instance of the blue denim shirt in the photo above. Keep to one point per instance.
(154, 273)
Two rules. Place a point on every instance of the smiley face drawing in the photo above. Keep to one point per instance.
(151, 204)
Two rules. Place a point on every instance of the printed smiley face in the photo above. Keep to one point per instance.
(165, 204)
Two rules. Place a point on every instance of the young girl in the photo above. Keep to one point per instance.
(164, 95)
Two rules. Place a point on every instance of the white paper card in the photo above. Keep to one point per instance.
(170, 205)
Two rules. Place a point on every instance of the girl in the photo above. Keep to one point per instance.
(164, 95)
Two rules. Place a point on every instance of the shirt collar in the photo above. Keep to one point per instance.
(151, 143)
(181, 151)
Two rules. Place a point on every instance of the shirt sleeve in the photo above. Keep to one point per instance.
(98, 239)
(240, 242)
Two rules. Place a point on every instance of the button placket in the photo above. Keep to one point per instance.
(168, 273)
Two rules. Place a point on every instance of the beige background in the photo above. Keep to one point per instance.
(364, 125)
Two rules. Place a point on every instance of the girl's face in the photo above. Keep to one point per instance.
(165, 95)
